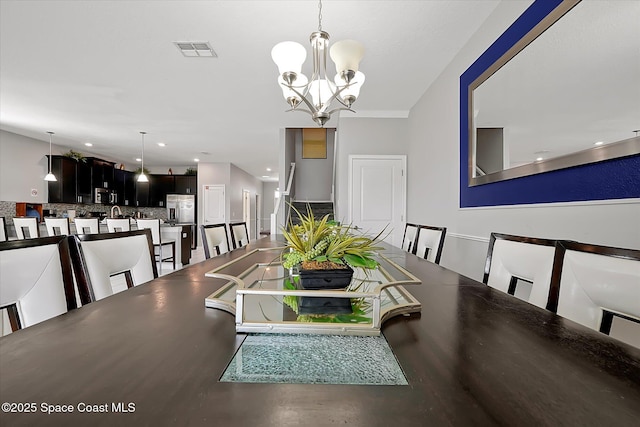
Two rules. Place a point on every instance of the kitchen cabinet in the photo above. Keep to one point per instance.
(186, 184)
(159, 187)
(64, 189)
(102, 173)
(142, 193)
(125, 186)
(84, 190)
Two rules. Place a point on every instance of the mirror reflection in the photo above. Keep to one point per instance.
(574, 89)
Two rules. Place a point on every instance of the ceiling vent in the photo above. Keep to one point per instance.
(196, 49)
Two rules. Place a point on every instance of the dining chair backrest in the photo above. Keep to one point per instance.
(97, 257)
(409, 238)
(26, 227)
(593, 284)
(215, 238)
(239, 234)
(118, 224)
(4, 236)
(154, 226)
(57, 226)
(429, 242)
(36, 281)
(511, 259)
(87, 225)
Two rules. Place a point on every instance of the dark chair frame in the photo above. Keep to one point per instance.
(415, 240)
(65, 263)
(207, 252)
(520, 239)
(80, 265)
(558, 262)
(443, 231)
(233, 238)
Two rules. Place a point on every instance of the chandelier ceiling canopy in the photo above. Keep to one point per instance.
(318, 92)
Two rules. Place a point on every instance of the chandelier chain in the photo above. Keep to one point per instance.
(320, 15)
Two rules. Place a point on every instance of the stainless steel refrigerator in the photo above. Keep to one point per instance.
(181, 209)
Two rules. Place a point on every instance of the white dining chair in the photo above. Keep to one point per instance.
(429, 242)
(26, 227)
(4, 236)
(57, 226)
(597, 284)
(36, 281)
(409, 238)
(520, 266)
(215, 238)
(99, 257)
(118, 224)
(158, 241)
(87, 225)
(239, 234)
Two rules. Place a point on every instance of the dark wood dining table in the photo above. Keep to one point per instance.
(153, 355)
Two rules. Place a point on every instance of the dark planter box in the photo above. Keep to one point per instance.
(325, 279)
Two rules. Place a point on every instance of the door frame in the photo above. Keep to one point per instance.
(402, 157)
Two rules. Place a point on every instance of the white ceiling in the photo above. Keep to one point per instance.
(101, 71)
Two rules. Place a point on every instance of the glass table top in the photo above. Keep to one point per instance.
(267, 298)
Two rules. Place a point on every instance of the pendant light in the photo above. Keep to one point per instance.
(50, 176)
(142, 177)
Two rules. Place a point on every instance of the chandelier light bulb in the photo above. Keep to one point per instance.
(347, 55)
(289, 57)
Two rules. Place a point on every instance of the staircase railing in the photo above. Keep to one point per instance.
(281, 198)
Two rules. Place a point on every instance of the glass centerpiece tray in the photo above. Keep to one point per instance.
(267, 298)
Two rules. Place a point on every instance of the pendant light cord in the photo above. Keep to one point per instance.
(320, 15)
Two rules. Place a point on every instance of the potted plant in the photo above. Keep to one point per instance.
(325, 254)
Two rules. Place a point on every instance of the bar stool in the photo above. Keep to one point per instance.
(87, 225)
(26, 227)
(118, 224)
(158, 241)
(4, 236)
(57, 226)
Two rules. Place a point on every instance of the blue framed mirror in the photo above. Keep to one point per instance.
(610, 170)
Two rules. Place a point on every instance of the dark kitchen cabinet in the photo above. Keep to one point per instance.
(186, 184)
(102, 173)
(84, 190)
(64, 189)
(142, 194)
(125, 186)
(159, 187)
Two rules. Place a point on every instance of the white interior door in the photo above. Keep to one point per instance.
(377, 194)
(214, 204)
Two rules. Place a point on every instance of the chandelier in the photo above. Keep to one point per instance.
(319, 91)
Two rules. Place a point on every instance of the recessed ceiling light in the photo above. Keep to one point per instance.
(161, 144)
(138, 159)
(88, 144)
(196, 160)
(265, 176)
(268, 169)
(599, 143)
(538, 159)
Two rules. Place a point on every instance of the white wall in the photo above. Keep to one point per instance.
(23, 165)
(239, 181)
(268, 191)
(364, 136)
(314, 177)
(433, 176)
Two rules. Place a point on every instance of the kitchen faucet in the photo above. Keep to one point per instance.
(119, 211)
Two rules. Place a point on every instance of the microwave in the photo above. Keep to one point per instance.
(105, 196)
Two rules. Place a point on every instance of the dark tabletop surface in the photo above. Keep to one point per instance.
(474, 356)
